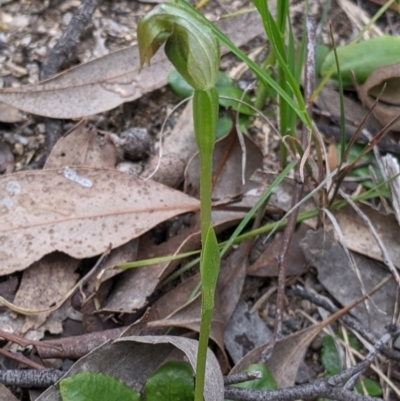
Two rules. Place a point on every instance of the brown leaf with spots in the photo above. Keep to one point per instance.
(79, 212)
(105, 83)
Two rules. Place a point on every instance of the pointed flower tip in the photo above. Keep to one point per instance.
(190, 44)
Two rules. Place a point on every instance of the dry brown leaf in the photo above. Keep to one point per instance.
(227, 168)
(286, 357)
(359, 238)
(6, 394)
(336, 274)
(107, 82)
(81, 146)
(174, 310)
(43, 284)
(329, 101)
(10, 114)
(135, 286)
(267, 266)
(231, 280)
(388, 106)
(78, 212)
(178, 148)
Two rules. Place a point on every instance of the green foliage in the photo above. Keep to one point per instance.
(331, 362)
(225, 87)
(362, 58)
(265, 383)
(363, 170)
(173, 381)
(90, 386)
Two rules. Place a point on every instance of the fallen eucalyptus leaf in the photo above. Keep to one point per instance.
(104, 83)
(78, 212)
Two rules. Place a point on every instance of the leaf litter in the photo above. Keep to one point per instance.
(84, 153)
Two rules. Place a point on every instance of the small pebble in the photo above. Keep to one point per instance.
(18, 149)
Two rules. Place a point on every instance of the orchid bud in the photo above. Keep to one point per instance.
(190, 45)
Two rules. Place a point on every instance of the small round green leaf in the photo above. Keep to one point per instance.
(236, 94)
(173, 381)
(90, 386)
(179, 86)
(224, 126)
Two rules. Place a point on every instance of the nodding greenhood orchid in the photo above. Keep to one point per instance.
(193, 49)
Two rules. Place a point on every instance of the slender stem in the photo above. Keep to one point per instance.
(205, 117)
(262, 90)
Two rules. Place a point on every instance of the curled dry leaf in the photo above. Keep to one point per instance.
(286, 357)
(109, 81)
(133, 359)
(43, 284)
(82, 146)
(78, 212)
(388, 106)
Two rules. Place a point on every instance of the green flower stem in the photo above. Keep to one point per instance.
(205, 117)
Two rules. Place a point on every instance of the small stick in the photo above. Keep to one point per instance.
(242, 377)
(58, 55)
(21, 359)
(347, 319)
(28, 378)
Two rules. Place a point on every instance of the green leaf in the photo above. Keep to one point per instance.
(209, 268)
(267, 381)
(235, 93)
(225, 87)
(179, 86)
(330, 357)
(263, 76)
(363, 58)
(90, 386)
(223, 80)
(373, 388)
(321, 52)
(224, 126)
(173, 381)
